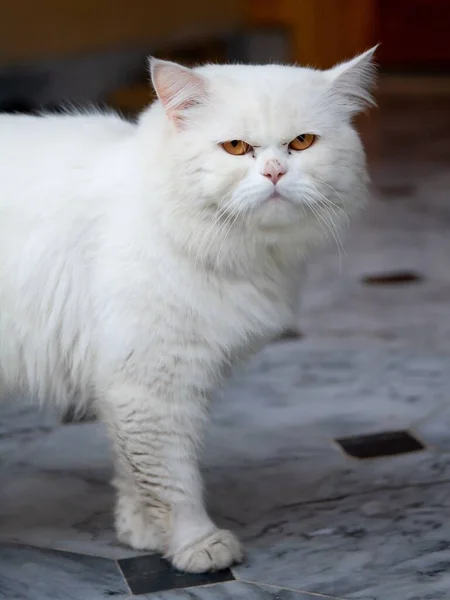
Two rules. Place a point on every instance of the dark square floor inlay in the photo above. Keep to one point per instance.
(394, 278)
(151, 574)
(387, 443)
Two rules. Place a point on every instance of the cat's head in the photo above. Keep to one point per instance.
(266, 147)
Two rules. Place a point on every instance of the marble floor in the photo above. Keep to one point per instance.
(318, 524)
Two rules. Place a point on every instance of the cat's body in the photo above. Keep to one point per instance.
(62, 258)
(137, 263)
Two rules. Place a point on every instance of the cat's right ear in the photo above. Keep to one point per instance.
(178, 88)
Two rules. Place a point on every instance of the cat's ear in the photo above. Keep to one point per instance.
(354, 80)
(178, 88)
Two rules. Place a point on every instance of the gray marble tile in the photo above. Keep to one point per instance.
(55, 492)
(271, 442)
(21, 423)
(28, 573)
(20, 415)
(435, 428)
(58, 510)
(80, 447)
(410, 233)
(257, 492)
(384, 544)
(331, 390)
(233, 591)
(238, 498)
(360, 477)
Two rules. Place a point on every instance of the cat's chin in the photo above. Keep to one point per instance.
(278, 213)
(269, 220)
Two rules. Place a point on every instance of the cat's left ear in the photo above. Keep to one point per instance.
(178, 88)
(354, 80)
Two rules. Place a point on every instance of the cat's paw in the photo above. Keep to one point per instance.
(146, 538)
(217, 551)
(132, 529)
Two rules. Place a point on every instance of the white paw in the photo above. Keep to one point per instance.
(217, 551)
(133, 529)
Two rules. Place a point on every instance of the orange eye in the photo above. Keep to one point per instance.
(302, 142)
(236, 147)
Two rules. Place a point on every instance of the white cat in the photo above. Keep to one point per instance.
(138, 261)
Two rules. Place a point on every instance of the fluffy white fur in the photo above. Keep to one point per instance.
(138, 261)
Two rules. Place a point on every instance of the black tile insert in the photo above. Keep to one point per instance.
(151, 574)
(394, 278)
(387, 443)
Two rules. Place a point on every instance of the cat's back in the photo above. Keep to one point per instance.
(34, 142)
(56, 173)
(56, 177)
(95, 126)
(53, 167)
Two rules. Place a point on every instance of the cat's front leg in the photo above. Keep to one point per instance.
(160, 501)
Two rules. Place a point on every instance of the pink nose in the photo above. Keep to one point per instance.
(274, 171)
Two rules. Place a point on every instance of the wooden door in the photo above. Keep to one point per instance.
(415, 34)
(322, 32)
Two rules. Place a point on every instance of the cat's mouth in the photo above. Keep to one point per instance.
(274, 197)
(277, 197)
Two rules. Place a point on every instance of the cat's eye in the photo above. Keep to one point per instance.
(236, 147)
(302, 142)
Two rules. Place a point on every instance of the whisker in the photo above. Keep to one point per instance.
(218, 226)
(236, 213)
(331, 203)
(209, 227)
(331, 188)
(331, 227)
(213, 229)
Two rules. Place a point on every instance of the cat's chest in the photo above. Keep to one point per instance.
(165, 305)
(236, 311)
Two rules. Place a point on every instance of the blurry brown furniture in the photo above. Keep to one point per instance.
(322, 32)
(414, 34)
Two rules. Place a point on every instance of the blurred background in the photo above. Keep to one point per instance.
(81, 52)
(84, 51)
